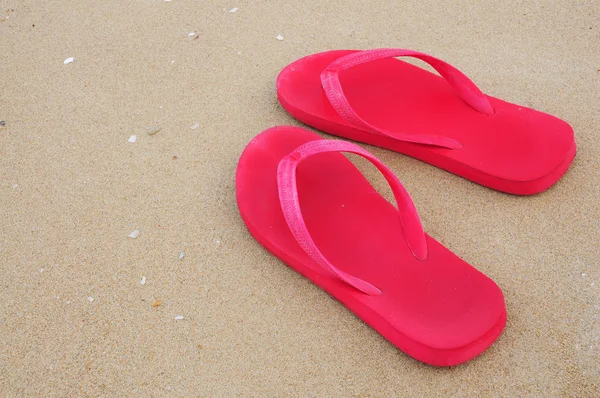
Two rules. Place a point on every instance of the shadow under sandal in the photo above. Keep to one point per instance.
(369, 96)
(310, 206)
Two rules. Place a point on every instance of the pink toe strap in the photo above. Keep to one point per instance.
(464, 87)
(290, 205)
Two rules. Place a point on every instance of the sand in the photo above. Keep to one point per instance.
(75, 319)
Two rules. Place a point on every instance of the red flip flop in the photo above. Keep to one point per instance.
(447, 121)
(311, 207)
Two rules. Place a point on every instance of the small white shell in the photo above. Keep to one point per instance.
(153, 130)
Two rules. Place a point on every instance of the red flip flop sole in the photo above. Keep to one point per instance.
(441, 310)
(516, 150)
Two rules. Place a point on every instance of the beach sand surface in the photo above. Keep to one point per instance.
(86, 310)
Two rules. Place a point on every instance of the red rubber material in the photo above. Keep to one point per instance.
(441, 311)
(516, 149)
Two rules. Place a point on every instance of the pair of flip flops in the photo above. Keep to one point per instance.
(311, 207)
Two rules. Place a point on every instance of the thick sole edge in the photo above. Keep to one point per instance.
(415, 349)
(515, 187)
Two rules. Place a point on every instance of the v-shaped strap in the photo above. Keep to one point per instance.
(290, 205)
(464, 87)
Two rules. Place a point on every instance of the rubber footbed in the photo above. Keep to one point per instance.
(516, 143)
(442, 303)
